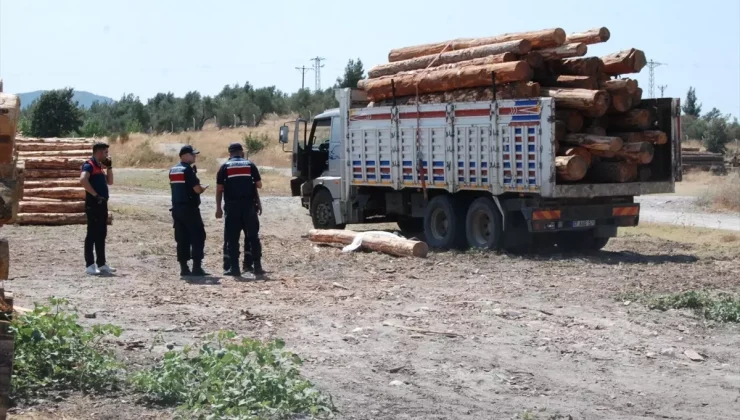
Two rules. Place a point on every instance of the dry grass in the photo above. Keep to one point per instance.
(704, 242)
(723, 194)
(160, 151)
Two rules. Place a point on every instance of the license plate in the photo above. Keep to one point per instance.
(584, 223)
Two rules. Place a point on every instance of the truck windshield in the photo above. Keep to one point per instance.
(322, 132)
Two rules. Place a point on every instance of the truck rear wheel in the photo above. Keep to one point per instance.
(484, 225)
(444, 223)
(322, 211)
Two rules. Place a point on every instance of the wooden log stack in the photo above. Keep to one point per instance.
(692, 159)
(52, 194)
(598, 109)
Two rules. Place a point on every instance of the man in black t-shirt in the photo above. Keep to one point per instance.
(190, 233)
(96, 175)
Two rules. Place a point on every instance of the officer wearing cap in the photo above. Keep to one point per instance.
(190, 234)
(237, 182)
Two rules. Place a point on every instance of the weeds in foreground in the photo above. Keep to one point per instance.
(724, 195)
(227, 378)
(720, 307)
(53, 352)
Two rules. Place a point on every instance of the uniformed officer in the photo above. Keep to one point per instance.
(190, 234)
(237, 182)
(248, 264)
(95, 177)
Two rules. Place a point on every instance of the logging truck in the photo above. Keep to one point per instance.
(467, 174)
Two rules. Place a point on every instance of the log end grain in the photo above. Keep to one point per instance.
(571, 168)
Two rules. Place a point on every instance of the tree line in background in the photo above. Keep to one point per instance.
(55, 114)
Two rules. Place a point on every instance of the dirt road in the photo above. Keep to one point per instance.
(682, 211)
(552, 335)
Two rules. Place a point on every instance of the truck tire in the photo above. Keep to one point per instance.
(322, 211)
(444, 223)
(411, 225)
(484, 225)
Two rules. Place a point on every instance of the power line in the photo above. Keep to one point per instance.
(303, 70)
(317, 70)
(662, 90)
(652, 65)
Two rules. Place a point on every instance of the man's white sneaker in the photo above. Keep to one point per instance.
(106, 269)
(92, 270)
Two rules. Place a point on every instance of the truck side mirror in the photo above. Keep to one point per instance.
(284, 132)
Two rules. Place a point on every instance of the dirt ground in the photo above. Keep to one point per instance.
(552, 335)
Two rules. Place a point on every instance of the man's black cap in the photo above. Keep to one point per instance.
(188, 149)
(235, 147)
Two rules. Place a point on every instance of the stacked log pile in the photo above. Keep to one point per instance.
(600, 124)
(52, 193)
(694, 159)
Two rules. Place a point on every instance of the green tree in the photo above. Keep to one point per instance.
(55, 114)
(353, 73)
(717, 136)
(692, 106)
(712, 115)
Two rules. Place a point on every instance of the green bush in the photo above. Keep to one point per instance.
(255, 144)
(54, 352)
(721, 308)
(226, 378)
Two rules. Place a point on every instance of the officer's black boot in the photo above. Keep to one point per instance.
(198, 269)
(258, 271)
(233, 271)
(247, 267)
(184, 269)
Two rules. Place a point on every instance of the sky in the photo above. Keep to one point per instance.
(144, 47)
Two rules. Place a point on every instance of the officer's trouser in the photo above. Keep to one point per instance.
(190, 234)
(242, 216)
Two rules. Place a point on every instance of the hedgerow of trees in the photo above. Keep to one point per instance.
(714, 129)
(55, 114)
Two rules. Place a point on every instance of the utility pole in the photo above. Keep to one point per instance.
(652, 65)
(303, 70)
(662, 90)
(317, 70)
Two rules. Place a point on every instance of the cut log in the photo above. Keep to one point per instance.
(591, 36)
(623, 62)
(620, 101)
(53, 163)
(40, 147)
(506, 51)
(516, 90)
(618, 85)
(55, 219)
(593, 103)
(595, 129)
(444, 80)
(573, 82)
(4, 260)
(561, 130)
(573, 119)
(89, 142)
(637, 153)
(65, 193)
(51, 183)
(571, 168)
(51, 173)
(71, 154)
(577, 151)
(637, 97)
(644, 173)
(633, 120)
(538, 39)
(613, 172)
(650, 136)
(10, 108)
(534, 59)
(394, 246)
(593, 142)
(586, 66)
(577, 49)
(51, 207)
(46, 200)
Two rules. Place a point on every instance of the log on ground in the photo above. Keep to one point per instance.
(90, 142)
(65, 193)
(40, 147)
(394, 246)
(585, 66)
(591, 36)
(55, 219)
(651, 136)
(538, 39)
(56, 153)
(53, 163)
(51, 207)
(613, 172)
(576, 49)
(444, 80)
(638, 153)
(51, 183)
(506, 51)
(573, 82)
(633, 120)
(577, 151)
(623, 62)
(593, 103)
(570, 168)
(51, 173)
(573, 119)
(593, 142)
(516, 90)
(616, 85)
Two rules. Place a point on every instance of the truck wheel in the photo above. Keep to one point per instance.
(411, 225)
(322, 211)
(484, 225)
(444, 223)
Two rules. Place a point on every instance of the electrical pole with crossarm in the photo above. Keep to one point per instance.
(303, 70)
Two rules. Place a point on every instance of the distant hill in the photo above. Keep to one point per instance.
(85, 99)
